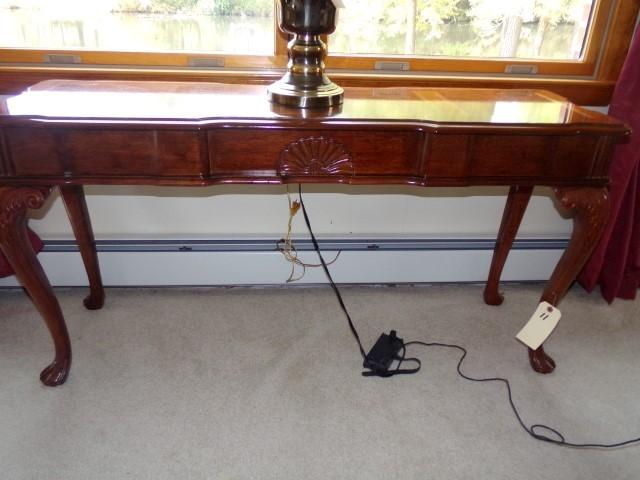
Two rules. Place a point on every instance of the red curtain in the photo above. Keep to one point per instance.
(615, 263)
(5, 268)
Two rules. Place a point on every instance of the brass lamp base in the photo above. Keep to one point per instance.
(305, 84)
(323, 96)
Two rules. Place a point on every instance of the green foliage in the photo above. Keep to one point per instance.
(433, 15)
(129, 6)
(254, 8)
(261, 8)
(384, 22)
(173, 6)
(487, 13)
(555, 11)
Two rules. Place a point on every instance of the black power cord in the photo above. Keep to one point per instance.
(388, 347)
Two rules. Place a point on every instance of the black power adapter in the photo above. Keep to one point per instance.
(383, 353)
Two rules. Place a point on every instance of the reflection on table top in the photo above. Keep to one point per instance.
(193, 101)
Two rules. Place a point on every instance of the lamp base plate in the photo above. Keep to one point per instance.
(324, 96)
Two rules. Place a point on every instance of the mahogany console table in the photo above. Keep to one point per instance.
(67, 134)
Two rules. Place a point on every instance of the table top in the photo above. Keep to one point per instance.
(197, 102)
(176, 133)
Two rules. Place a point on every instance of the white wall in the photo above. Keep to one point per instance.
(258, 211)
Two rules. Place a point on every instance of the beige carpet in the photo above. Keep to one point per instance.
(265, 384)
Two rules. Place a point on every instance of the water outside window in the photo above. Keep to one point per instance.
(228, 26)
(543, 29)
(552, 29)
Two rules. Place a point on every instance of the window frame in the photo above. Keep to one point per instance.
(586, 81)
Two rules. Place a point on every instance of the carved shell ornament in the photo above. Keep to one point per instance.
(315, 156)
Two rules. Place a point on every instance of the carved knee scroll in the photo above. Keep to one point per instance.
(590, 208)
(15, 244)
(14, 203)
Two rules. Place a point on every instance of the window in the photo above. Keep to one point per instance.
(545, 37)
(140, 25)
(574, 47)
(535, 29)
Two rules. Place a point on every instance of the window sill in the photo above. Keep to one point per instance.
(14, 79)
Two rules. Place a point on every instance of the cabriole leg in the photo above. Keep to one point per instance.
(15, 244)
(76, 205)
(514, 209)
(589, 207)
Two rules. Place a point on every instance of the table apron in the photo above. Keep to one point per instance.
(202, 156)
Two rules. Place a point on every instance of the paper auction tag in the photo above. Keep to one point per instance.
(540, 325)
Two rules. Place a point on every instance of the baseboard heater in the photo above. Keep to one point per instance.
(257, 262)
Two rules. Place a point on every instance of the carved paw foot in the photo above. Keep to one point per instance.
(492, 297)
(540, 361)
(94, 301)
(56, 373)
